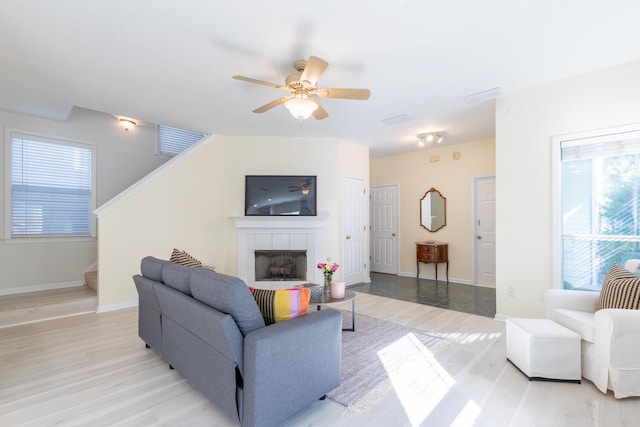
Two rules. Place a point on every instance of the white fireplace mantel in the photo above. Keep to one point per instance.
(274, 222)
(279, 233)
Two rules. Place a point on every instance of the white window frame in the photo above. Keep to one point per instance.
(8, 205)
(593, 136)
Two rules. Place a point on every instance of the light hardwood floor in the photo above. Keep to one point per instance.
(37, 306)
(93, 370)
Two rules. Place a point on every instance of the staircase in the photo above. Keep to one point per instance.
(91, 279)
(33, 307)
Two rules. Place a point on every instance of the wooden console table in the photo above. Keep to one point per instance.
(432, 252)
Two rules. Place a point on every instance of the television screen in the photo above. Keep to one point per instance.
(276, 195)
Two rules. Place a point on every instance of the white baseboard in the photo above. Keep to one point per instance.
(441, 277)
(36, 288)
(114, 307)
(501, 317)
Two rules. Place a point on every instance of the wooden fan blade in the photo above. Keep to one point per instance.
(271, 105)
(320, 113)
(313, 70)
(259, 82)
(359, 94)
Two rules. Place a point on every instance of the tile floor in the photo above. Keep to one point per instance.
(454, 296)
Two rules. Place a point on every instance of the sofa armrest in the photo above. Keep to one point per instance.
(290, 364)
(570, 300)
(617, 338)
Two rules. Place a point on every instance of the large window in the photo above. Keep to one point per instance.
(599, 205)
(173, 141)
(51, 187)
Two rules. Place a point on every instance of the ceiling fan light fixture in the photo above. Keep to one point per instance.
(301, 107)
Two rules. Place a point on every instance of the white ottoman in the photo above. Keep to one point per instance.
(544, 350)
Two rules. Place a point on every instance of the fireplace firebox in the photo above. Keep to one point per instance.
(281, 265)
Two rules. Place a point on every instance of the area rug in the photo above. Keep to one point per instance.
(372, 354)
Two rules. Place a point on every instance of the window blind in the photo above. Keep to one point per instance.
(51, 187)
(599, 207)
(607, 148)
(173, 141)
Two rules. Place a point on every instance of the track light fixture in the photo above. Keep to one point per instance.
(429, 139)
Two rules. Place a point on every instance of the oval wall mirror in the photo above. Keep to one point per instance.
(433, 210)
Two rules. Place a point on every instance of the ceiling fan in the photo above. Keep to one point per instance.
(303, 99)
(304, 187)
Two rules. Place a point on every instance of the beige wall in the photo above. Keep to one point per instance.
(121, 159)
(179, 206)
(189, 203)
(415, 174)
(525, 123)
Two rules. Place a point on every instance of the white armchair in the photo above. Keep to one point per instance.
(610, 339)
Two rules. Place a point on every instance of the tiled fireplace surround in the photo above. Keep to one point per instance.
(304, 233)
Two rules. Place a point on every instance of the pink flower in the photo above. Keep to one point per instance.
(328, 269)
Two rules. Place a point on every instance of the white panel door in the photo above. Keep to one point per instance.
(384, 229)
(485, 231)
(354, 228)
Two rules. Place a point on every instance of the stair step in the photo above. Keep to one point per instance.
(44, 305)
(91, 279)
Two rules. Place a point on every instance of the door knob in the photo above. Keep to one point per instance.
(393, 234)
(479, 237)
(348, 237)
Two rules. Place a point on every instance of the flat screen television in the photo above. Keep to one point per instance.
(280, 195)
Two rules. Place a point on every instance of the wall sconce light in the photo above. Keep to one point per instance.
(127, 124)
(429, 139)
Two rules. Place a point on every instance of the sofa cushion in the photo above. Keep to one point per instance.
(183, 258)
(282, 304)
(176, 276)
(621, 289)
(151, 268)
(581, 322)
(229, 295)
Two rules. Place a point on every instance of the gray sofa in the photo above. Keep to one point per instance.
(209, 328)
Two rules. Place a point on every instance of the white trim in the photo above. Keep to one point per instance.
(37, 288)
(501, 317)
(48, 318)
(556, 211)
(261, 222)
(115, 307)
(440, 278)
(155, 174)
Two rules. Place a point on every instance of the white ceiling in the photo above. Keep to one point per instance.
(171, 62)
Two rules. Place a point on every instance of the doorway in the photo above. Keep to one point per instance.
(484, 248)
(355, 234)
(384, 229)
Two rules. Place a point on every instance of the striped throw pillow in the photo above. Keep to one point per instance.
(183, 258)
(621, 289)
(281, 304)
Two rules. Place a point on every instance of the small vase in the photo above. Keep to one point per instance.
(327, 284)
(337, 290)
